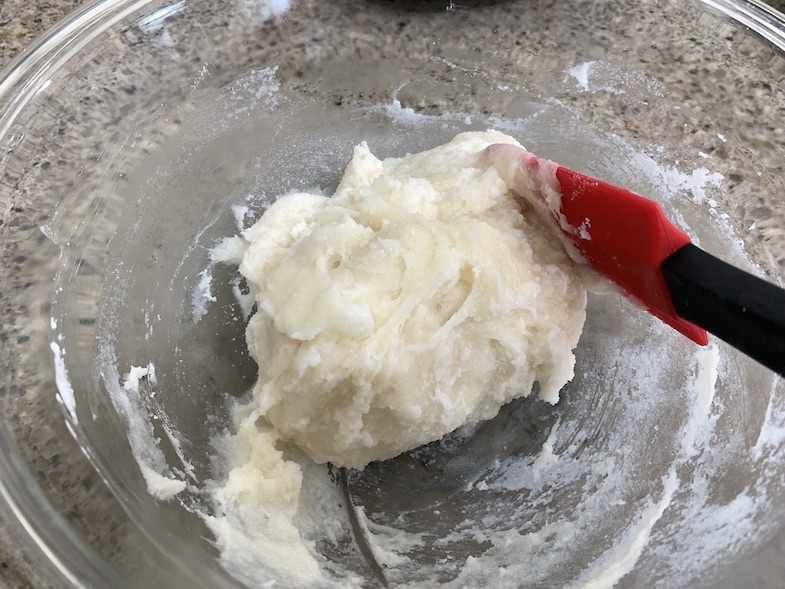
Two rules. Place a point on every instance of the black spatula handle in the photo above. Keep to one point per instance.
(743, 310)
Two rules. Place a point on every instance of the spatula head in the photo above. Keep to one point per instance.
(623, 236)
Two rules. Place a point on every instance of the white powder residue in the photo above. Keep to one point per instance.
(174, 440)
(581, 73)
(148, 324)
(598, 75)
(259, 88)
(628, 548)
(151, 376)
(674, 181)
(230, 250)
(711, 532)
(453, 65)
(202, 295)
(546, 457)
(131, 381)
(159, 486)
(696, 183)
(65, 393)
(703, 388)
(772, 433)
(400, 113)
(240, 213)
(389, 546)
(127, 397)
(613, 567)
(624, 555)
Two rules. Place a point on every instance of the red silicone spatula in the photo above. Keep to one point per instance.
(628, 239)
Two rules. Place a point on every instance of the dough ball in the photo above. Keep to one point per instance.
(421, 296)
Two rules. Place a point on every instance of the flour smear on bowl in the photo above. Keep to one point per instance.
(621, 473)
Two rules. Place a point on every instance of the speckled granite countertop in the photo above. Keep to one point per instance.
(21, 21)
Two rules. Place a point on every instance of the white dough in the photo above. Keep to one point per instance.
(423, 295)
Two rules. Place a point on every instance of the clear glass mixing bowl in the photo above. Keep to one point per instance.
(135, 133)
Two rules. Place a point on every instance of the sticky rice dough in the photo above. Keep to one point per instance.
(423, 295)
